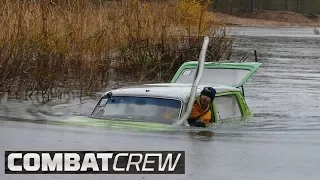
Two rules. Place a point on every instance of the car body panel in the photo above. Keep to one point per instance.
(117, 124)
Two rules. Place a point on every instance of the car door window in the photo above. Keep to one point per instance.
(227, 107)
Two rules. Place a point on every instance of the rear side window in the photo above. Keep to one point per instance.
(227, 107)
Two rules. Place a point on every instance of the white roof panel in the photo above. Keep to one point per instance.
(168, 90)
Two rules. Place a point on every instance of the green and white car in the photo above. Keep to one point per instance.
(166, 105)
(159, 106)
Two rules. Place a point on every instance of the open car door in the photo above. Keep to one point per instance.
(230, 74)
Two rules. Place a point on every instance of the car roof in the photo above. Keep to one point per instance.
(167, 90)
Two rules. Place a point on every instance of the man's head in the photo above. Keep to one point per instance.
(207, 96)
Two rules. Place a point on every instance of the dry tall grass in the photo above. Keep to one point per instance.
(50, 47)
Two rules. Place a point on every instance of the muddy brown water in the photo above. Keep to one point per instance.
(280, 141)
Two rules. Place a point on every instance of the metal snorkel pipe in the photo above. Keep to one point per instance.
(196, 81)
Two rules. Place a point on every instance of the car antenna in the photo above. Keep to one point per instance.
(255, 55)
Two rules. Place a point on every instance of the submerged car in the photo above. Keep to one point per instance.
(166, 104)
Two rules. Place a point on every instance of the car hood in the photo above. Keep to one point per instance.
(117, 124)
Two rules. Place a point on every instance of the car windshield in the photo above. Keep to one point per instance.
(146, 109)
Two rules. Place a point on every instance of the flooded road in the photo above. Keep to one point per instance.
(280, 141)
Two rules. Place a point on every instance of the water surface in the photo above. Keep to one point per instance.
(280, 141)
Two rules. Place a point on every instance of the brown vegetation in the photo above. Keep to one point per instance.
(48, 48)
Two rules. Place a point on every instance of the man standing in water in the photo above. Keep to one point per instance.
(201, 114)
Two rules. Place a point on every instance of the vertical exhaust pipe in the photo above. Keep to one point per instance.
(196, 81)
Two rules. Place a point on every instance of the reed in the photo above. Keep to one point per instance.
(51, 47)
